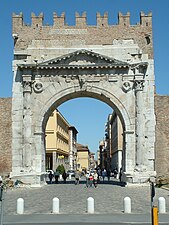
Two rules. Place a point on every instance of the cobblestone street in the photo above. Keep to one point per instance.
(73, 198)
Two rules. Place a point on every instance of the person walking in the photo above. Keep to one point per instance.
(95, 178)
(50, 176)
(108, 175)
(90, 180)
(103, 174)
(77, 177)
(56, 176)
(120, 174)
(64, 176)
(87, 179)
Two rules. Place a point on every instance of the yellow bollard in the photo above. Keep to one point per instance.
(154, 215)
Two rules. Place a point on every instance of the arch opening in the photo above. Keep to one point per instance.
(116, 159)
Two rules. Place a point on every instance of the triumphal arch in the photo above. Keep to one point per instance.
(58, 62)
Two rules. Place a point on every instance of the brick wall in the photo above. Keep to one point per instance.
(162, 134)
(5, 135)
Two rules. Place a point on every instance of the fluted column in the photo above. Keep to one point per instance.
(27, 89)
(139, 125)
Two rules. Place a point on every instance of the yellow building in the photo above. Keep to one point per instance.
(115, 141)
(57, 141)
(82, 157)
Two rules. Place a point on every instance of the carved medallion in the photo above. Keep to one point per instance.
(38, 87)
(126, 86)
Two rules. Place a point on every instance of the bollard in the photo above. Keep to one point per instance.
(127, 205)
(154, 215)
(70, 176)
(20, 206)
(161, 205)
(90, 205)
(55, 205)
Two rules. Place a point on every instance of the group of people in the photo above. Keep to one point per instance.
(92, 177)
(56, 176)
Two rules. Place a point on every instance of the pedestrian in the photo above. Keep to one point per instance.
(115, 173)
(87, 178)
(108, 175)
(103, 174)
(90, 180)
(77, 177)
(50, 176)
(1, 189)
(64, 176)
(56, 176)
(99, 174)
(120, 174)
(95, 178)
(0, 181)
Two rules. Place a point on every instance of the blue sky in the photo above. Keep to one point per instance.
(88, 115)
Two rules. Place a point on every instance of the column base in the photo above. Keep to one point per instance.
(137, 177)
(31, 179)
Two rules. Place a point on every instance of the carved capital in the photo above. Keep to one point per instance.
(27, 86)
(138, 85)
(27, 83)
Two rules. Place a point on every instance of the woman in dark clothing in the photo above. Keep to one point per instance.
(64, 176)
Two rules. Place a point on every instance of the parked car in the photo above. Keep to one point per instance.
(71, 172)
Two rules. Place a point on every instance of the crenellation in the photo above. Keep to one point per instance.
(64, 34)
(102, 21)
(17, 21)
(124, 20)
(80, 20)
(58, 21)
(37, 21)
(146, 20)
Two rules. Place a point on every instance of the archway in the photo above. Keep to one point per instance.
(44, 86)
(55, 153)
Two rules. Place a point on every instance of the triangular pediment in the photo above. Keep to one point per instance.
(82, 57)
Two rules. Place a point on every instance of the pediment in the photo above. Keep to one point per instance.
(81, 57)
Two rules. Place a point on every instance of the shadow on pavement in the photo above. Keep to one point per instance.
(106, 182)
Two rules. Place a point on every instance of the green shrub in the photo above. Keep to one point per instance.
(61, 168)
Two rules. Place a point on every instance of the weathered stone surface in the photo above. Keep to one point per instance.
(53, 64)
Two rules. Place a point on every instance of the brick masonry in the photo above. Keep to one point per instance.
(100, 34)
(162, 134)
(5, 135)
(161, 145)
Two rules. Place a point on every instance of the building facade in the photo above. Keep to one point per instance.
(73, 148)
(113, 149)
(57, 141)
(83, 157)
(60, 142)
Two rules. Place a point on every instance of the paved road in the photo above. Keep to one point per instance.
(113, 219)
(108, 199)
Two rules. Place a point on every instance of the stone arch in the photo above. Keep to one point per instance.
(42, 87)
(97, 93)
